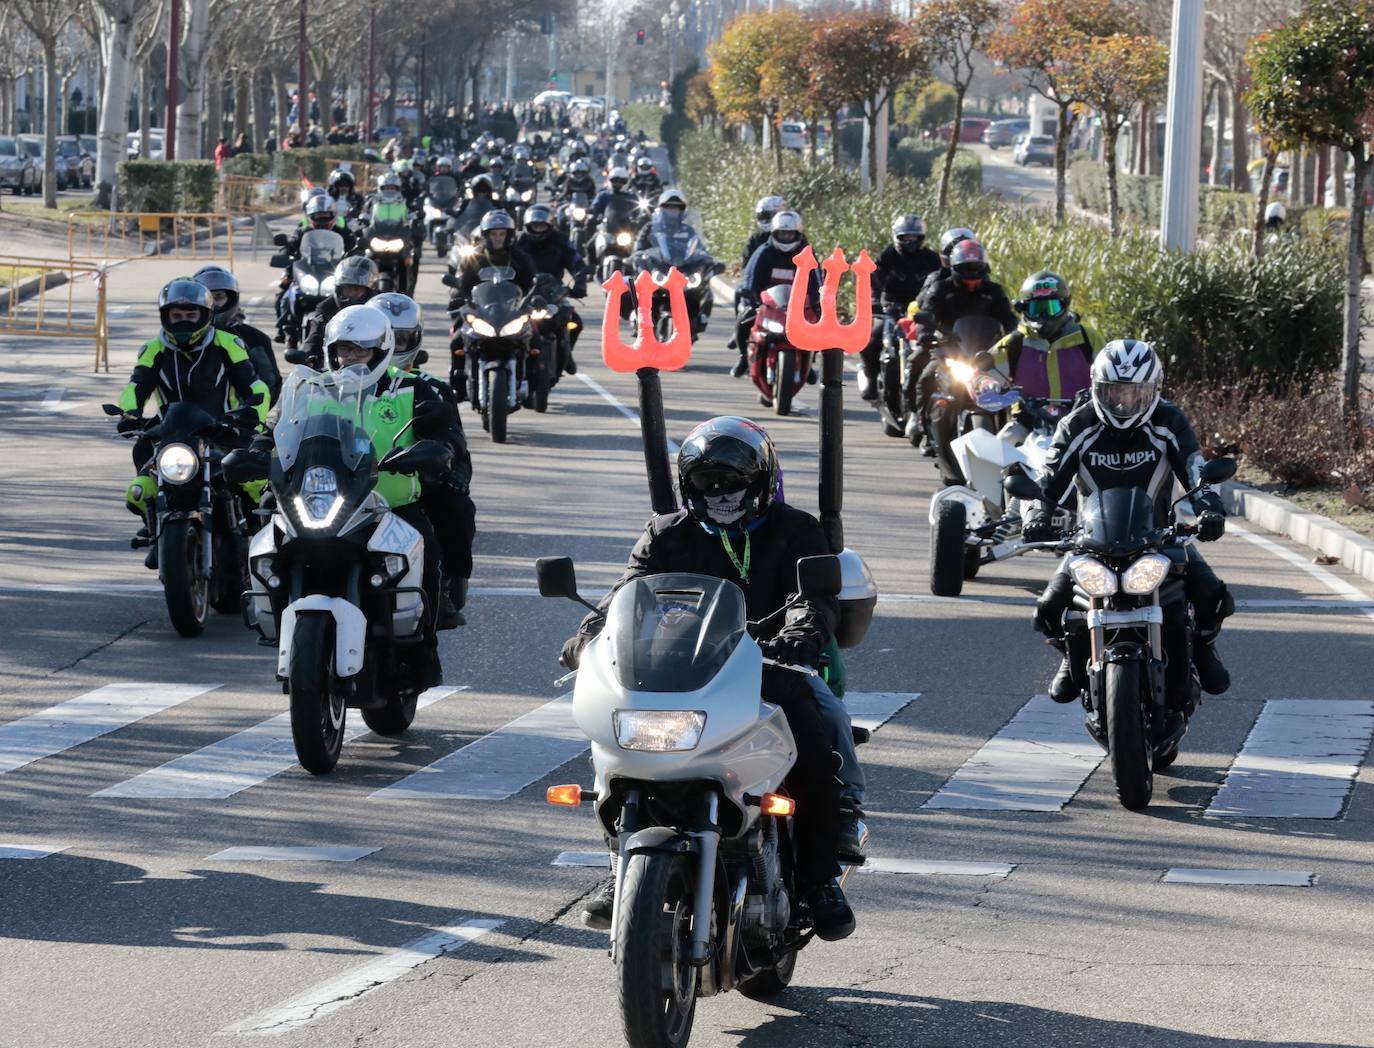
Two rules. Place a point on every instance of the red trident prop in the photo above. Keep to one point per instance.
(647, 351)
(828, 332)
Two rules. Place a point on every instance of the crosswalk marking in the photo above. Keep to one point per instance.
(873, 709)
(1037, 762)
(937, 867)
(10, 850)
(87, 717)
(503, 763)
(1299, 761)
(232, 765)
(269, 853)
(1278, 878)
(593, 859)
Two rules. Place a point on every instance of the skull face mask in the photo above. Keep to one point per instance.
(726, 508)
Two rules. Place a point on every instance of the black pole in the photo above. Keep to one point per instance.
(831, 494)
(653, 428)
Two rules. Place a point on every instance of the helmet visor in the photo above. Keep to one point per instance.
(786, 236)
(715, 481)
(1044, 308)
(1124, 400)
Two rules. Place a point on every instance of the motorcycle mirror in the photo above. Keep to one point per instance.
(1020, 486)
(280, 239)
(279, 261)
(557, 577)
(421, 358)
(819, 576)
(111, 409)
(1214, 471)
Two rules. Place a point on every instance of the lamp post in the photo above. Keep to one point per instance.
(1183, 141)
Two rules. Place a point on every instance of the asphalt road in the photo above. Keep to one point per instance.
(128, 927)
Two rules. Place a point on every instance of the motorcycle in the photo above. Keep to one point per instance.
(615, 240)
(953, 408)
(312, 278)
(778, 369)
(335, 578)
(898, 359)
(439, 210)
(522, 189)
(552, 318)
(200, 528)
(495, 338)
(683, 249)
(689, 785)
(389, 245)
(574, 219)
(1128, 576)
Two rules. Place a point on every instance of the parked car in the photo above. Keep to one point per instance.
(1004, 132)
(34, 145)
(80, 164)
(1034, 149)
(552, 98)
(155, 148)
(17, 169)
(971, 130)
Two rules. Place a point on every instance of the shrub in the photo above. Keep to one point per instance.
(146, 185)
(197, 184)
(255, 165)
(643, 116)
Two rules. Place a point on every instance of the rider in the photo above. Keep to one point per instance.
(344, 189)
(496, 247)
(481, 199)
(646, 181)
(902, 270)
(764, 211)
(320, 211)
(772, 264)
(187, 360)
(551, 252)
(355, 281)
(948, 240)
(577, 179)
(734, 528)
(671, 213)
(617, 181)
(1125, 436)
(224, 291)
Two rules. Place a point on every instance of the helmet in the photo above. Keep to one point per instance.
(672, 198)
(1275, 212)
(341, 180)
(644, 165)
(498, 163)
(727, 472)
(358, 326)
(356, 271)
(522, 152)
(766, 208)
(320, 211)
(580, 167)
(186, 293)
(969, 264)
(619, 175)
(538, 214)
(1044, 302)
(407, 325)
(444, 165)
(402, 166)
(389, 183)
(467, 158)
(480, 184)
(908, 233)
(1127, 377)
(786, 231)
(499, 144)
(217, 278)
(950, 237)
(493, 220)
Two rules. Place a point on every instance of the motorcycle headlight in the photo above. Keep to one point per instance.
(579, 214)
(309, 284)
(514, 327)
(527, 195)
(177, 464)
(1145, 575)
(327, 285)
(658, 731)
(1095, 578)
(386, 246)
(432, 212)
(625, 239)
(388, 569)
(961, 371)
(694, 280)
(540, 314)
(775, 327)
(482, 327)
(467, 251)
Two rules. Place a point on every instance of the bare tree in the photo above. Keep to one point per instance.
(46, 20)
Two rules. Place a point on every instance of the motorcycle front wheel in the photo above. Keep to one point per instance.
(318, 708)
(184, 581)
(498, 404)
(1128, 734)
(947, 549)
(784, 381)
(657, 982)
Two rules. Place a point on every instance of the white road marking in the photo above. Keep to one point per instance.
(86, 717)
(29, 851)
(596, 860)
(501, 764)
(265, 853)
(1200, 875)
(233, 764)
(1037, 762)
(334, 994)
(105, 589)
(937, 867)
(1299, 761)
(873, 709)
(1329, 579)
(615, 402)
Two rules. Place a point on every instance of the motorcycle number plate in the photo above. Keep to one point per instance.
(1134, 617)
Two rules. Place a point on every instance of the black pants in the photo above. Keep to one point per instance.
(448, 505)
(812, 782)
(414, 515)
(744, 324)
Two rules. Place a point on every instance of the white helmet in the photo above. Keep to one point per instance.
(1276, 211)
(407, 325)
(765, 209)
(1127, 378)
(786, 231)
(618, 174)
(366, 327)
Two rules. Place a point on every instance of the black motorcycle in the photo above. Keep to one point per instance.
(199, 524)
(522, 189)
(492, 353)
(390, 244)
(615, 240)
(681, 248)
(312, 278)
(552, 316)
(440, 206)
(898, 362)
(575, 219)
(1140, 685)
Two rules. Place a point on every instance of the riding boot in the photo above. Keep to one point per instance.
(1211, 671)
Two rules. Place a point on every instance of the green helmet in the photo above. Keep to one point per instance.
(1044, 302)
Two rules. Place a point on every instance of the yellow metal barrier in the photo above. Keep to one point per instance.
(51, 312)
(247, 195)
(142, 234)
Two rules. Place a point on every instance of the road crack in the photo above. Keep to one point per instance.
(100, 647)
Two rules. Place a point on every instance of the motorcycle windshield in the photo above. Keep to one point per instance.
(678, 245)
(674, 633)
(497, 302)
(321, 249)
(443, 191)
(181, 421)
(620, 214)
(975, 334)
(1117, 520)
(315, 405)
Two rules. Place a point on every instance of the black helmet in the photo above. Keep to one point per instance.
(480, 185)
(969, 264)
(727, 472)
(493, 220)
(908, 233)
(341, 181)
(217, 278)
(355, 271)
(1044, 302)
(187, 293)
(950, 237)
(539, 215)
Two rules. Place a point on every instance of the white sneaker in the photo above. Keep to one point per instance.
(866, 386)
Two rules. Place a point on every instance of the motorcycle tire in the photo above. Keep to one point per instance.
(1128, 734)
(947, 549)
(654, 939)
(771, 981)
(498, 404)
(393, 718)
(230, 575)
(385, 283)
(318, 708)
(183, 577)
(890, 399)
(784, 385)
(540, 381)
(973, 560)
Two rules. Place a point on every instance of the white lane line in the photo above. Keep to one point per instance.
(501, 764)
(615, 402)
(267, 853)
(1299, 761)
(233, 764)
(1329, 579)
(1037, 762)
(936, 868)
(87, 717)
(10, 850)
(595, 860)
(873, 709)
(334, 994)
(1201, 875)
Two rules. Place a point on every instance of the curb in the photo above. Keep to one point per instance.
(1317, 533)
(29, 288)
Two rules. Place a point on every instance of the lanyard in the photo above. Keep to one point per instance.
(741, 566)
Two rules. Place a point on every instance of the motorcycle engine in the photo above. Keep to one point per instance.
(767, 908)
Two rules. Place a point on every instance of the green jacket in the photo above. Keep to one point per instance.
(219, 377)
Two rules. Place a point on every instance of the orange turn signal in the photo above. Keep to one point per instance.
(567, 796)
(774, 804)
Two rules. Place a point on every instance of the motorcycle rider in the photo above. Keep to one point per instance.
(343, 188)
(470, 166)
(902, 269)
(495, 247)
(447, 500)
(764, 211)
(550, 251)
(224, 292)
(772, 264)
(481, 199)
(1126, 436)
(355, 281)
(189, 359)
(949, 239)
(617, 181)
(320, 212)
(734, 528)
(577, 179)
(646, 181)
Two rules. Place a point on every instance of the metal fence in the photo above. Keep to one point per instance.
(139, 234)
(48, 308)
(247, 195)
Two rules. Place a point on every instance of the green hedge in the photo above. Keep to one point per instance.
(911, 158)
(197, 186)
(146, 185)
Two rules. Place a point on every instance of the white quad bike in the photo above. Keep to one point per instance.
(689, 768)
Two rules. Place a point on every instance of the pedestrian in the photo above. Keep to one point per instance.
(221, 151)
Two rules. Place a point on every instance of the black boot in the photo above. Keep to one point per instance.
(429, 673)
(569, 365)
(830, 912)
(1063, 688)
(741, 367)
(851, 837)
(450, 618)
(1211, 671)
(597, 911)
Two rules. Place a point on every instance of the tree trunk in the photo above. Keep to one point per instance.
(49, 121)
(145, 103)
(1142, 141)
(1354, 276)
(1061, 163)
(1338, 177)
(1240, 126)
(243, 95)
(835, 139)
(283, 103)
(117, 47)
(214, 107)
(1109, 133)
(1297, 176)
(191, 68)
(324, 92)
(1271, 157)
(775, 139)
(1218, 134)
(257, 101)
(948, 170)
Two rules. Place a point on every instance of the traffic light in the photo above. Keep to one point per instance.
(639, 37)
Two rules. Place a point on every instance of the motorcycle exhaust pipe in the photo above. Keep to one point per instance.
(831, 494)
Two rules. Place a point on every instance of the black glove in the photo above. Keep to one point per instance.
(794, 648)
(1039, 529)
(128, 424)
(571, 654)
(1211, 525)
(579, 290)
